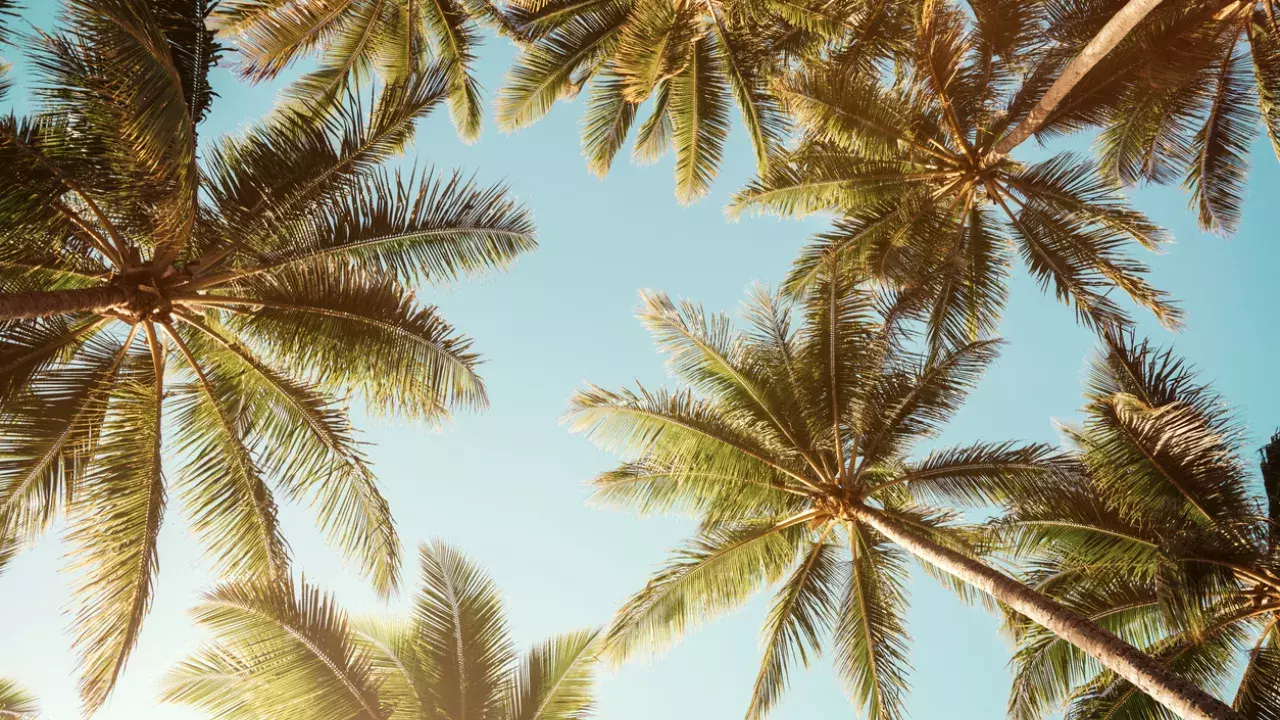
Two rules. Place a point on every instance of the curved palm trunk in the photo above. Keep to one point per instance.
(1107, 38)
(1166, 688)
(15, 306)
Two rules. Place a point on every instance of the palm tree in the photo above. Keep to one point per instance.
(357, 39)
(926, 193)
(240, 296)
(790, 445)
(290, 653)
(694, 60)
(1181, 97)
(1165, 541)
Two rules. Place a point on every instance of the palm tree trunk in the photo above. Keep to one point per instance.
(1166, 688)
(15, 306)
(1107, 38)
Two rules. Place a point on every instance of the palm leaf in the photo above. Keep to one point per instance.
(459, 623)
(803, 611)
(555, 679)
(699, 120)
(115, 521)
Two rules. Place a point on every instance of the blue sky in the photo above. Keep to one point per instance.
(509, 485)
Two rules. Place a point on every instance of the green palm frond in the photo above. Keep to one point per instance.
(653, 139)
(554, 680)
(459, 621)
(803, 612)
(1258, 695)
(608, 120)
(869, 650)
(416, 228)
(16, 703)
(1165, 444)
(318, 319)
(548, 67)
(714, 574)
(282, 649)
(52, 431)
(237, 516)
(1217, 175)
(120, 503)
(296, 162)
(307, 445)
(694, 59)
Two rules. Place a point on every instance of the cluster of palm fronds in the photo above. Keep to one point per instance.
(235, 295)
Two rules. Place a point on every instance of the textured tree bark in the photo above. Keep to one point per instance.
(47, 303)
(1107, 38)
(1166, 688)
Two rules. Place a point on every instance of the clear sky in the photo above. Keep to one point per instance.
(509, 485)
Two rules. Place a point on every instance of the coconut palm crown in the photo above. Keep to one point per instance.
(291, 653)
(791, 445)
(171, 310)
(1167, 540)
(927, 196)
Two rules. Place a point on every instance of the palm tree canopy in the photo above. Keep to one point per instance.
(222, 296)
(925, 202)
(777, 433)
(1164, 540)
(356, 40)
(289, 652)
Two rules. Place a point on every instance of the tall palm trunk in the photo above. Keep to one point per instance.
(15, 306)
(1175, 693)
(1107, 38)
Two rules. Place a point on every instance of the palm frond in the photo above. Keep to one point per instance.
(555, 679)
(232, 509)
(15, 702)
(869, 643)
(699, 110)
(715, 573)
(292, 646)
(458, 618)
(346, 329)
(1217, 174)
(607, 121)
(802, 613)
(306, 443)
(115, 520)
(544, 70)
